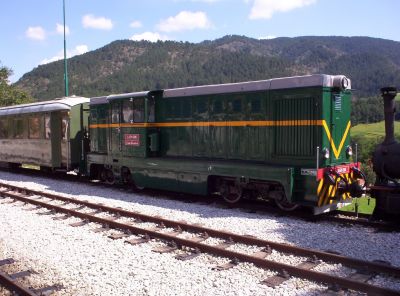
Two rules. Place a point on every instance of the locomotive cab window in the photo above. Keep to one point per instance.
(138, 110)
(127, 111)
(151, 104)
(93, 116)
(115, 113)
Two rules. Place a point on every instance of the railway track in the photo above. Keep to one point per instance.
(174, 234)
(253, 206)
(11, 282)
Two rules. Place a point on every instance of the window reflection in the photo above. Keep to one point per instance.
(138, 110)
(47, 128)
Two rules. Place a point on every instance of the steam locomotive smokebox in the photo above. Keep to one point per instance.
(386, 158)
(386, 162)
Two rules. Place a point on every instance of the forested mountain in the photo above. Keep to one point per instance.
(128, 66)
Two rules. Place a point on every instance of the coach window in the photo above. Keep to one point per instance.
(19, 128)
(34, 127)
(127, 111)
(138, 110)
(47, 128)
(3, 129)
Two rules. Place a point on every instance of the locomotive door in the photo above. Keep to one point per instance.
(115, 129)
(133, 131)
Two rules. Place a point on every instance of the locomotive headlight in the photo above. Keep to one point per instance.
(349, 151)
(325, 153)
(345, 83)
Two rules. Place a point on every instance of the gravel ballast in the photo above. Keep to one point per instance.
(88, 263)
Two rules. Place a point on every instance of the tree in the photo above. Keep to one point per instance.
(10, 94)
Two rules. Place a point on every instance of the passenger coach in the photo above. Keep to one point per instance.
(48, 134)
(284, 139)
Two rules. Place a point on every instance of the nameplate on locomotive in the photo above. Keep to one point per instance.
(308, 172)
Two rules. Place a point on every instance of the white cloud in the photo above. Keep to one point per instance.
(36, 33)
(60, 29)
(264, 9)
(185, 20)
(80, 49)
(135, 24)
(268, 37)
(93, 22)
(149, 36)
(206, 1)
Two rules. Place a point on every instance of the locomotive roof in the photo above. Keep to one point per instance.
(106, 99)
(270, 84)
(46, 106)
(322, 80)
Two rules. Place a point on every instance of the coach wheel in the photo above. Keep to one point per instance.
(231, 193)
(284, 204)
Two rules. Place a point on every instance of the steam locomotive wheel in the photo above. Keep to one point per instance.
(284, 204)
(231, 193)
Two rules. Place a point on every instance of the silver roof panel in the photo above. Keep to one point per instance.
(46, 106)
(98, 100)
(217, 89)
(127, 95)
(322, 80)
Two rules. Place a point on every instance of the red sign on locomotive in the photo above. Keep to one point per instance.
(132, 139)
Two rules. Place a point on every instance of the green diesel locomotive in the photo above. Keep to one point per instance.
(285, 139)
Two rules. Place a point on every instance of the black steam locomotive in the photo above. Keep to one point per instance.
(386, 164)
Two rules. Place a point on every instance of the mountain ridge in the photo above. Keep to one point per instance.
(128, 66)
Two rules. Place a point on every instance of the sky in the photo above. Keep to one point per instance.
(32, 31)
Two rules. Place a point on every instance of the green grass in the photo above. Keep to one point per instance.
(397, 97)
(373, 130)
(363, 206)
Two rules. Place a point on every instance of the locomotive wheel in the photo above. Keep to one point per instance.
(231, 193)
(110, 179)
(103, 175)
(284, 204)
(138, 187)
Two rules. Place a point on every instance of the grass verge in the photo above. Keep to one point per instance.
(365, 205)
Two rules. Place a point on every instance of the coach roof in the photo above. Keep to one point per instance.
(46, 106)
